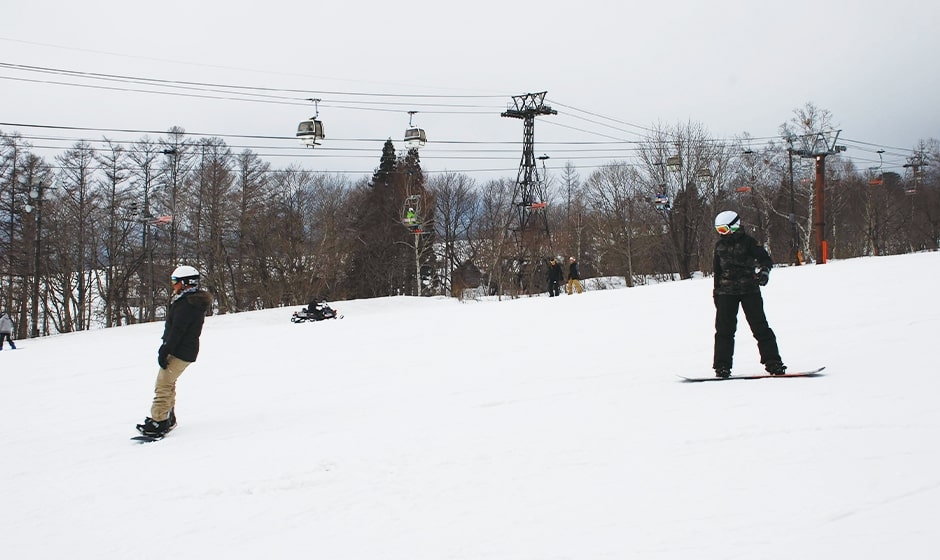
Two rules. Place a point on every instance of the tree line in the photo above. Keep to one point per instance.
(89, 239)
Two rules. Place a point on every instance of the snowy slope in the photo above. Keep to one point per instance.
(534, 428)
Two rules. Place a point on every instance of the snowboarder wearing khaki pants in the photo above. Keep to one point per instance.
(184, 320)
(574, 277)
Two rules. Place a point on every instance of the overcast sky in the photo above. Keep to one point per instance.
(612, 70)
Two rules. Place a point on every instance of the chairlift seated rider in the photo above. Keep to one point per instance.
(662, 202)
(411, 219)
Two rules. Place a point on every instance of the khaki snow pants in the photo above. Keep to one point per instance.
(574, 284)
(164, 397)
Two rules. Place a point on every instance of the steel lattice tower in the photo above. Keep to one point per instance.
(528, 222)
(528, 198)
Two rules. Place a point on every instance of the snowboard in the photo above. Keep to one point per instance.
(809, 373)
(146, 439)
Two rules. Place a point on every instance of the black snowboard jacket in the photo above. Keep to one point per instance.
(737, 258)
(183, 325)
(573, 273)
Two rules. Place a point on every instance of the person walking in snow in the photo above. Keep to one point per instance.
(574, 277)
(555, 278)
(741, 267)
(181, 332)
(6, 330)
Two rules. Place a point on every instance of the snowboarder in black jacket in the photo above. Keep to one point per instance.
(741, 267)
(555, 277)
(184, 320)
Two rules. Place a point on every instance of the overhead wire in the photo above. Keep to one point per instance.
(603, 151)
(74, 48)
(372, 101)
(243, 92)
(223, 89)
(185, 83)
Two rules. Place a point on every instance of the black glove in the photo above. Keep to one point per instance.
(763, 277)
(162, 355)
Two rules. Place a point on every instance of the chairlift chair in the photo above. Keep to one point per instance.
(411, 216)
(411, 205)
(674, 163)
(878, 179)
(662, 202)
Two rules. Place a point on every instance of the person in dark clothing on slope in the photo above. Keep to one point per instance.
(6, 330)
(181, 332)
(741, 267)
(555, 277)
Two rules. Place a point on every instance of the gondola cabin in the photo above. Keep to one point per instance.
(415, 137)
(310, 132)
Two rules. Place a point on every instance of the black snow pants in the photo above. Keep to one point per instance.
(726, 323)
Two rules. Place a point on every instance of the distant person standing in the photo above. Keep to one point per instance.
(741, 267)
(184, 320)
(555, 277)
(6, 330)
(574, 277)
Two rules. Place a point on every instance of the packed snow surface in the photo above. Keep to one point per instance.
(535, 428)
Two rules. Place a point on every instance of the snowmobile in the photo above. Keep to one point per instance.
(315, 311)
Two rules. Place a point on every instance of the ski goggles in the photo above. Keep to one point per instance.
(725, 230)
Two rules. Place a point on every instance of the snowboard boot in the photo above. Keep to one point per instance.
(775, 368)
(154, 428)
(723, 372)
(172, 420)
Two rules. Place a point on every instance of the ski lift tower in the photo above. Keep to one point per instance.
(818, 146)
(528, 198)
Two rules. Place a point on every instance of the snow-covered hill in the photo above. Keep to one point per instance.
(529, 429)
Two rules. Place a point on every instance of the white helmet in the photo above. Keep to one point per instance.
(185, 274)
(728, 221)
